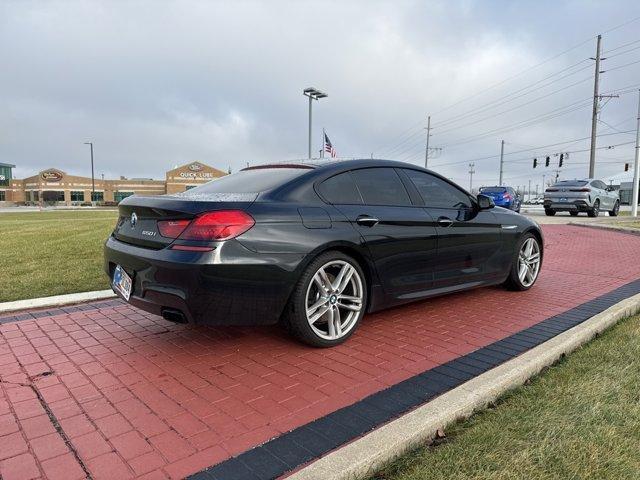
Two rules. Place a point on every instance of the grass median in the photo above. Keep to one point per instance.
(52, 252)
(579, 419)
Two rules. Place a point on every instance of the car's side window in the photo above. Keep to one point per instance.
(340, 189)
(381, 186)
(436, 192)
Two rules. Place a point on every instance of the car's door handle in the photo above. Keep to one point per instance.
(445, 221)
(367, 220)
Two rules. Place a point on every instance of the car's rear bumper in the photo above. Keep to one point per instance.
(573, 206)
(229, 286)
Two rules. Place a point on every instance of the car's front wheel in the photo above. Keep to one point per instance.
(525, 265)
(328, 301)
(549, 212)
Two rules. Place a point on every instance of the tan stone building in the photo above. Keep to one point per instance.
(53, 186)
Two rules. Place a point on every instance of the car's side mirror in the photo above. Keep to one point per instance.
(485, 202)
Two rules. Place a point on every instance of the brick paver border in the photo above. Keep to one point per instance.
(308, 442)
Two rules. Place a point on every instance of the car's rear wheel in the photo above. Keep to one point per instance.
(616, 209)
(525, 265)
(328, 301)
(595, 210)
(573, 214)
(549, 212)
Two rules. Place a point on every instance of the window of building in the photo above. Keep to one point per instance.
(340, 189)
(5, 176)
(53, 196)
(77, 196)
(97, 196)
(381, 186)
(119, 196)
(3, 196)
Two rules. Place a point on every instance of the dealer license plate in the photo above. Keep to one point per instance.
(122, 282)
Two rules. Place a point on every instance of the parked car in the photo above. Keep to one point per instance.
(314, 245)
(575, 196)
(503, 197)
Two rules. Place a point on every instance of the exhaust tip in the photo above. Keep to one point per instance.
(175, 316)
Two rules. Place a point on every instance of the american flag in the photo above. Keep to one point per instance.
(328, 147)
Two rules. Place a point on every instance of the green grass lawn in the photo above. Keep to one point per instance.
(52, 252)
(578, 420)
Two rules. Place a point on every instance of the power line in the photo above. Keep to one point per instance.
(516, 107)
(493, 104)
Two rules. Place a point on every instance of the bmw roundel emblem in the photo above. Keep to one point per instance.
(134, 219)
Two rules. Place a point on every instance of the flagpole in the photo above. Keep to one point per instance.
(323, 144)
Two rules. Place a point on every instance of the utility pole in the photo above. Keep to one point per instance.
(634, 196)
(426, 150)
(543, 185)
(529, 191)
(501, 160)
(471, 172)
(557, 175)
(594, 114)
(536, 189)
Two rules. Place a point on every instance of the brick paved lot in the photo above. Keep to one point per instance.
(113, 392)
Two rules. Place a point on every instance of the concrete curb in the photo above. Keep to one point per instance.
(55, 301)
(369, 453)
(615, 228)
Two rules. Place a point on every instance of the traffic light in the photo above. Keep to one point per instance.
(546, 162)
(626, 167)
(535, 162)
(561, 159)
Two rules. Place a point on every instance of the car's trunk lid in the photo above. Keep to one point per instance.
(139, 216)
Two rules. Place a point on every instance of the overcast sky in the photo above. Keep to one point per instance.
(156, 84)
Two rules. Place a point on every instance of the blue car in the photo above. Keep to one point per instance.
(503, 197)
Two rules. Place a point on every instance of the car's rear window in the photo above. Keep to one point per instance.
(250, 181)
(493, 190)
(571, 183)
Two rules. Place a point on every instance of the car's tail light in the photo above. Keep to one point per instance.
(551, 190)
(220, 225)
(579, 189)
(172, 228)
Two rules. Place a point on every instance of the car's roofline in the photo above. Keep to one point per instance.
(317, 163)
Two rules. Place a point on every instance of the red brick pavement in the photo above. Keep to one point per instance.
(136, 396)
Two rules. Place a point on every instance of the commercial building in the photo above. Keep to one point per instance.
(54, 186)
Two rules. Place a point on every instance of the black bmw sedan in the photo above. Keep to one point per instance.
(314, 245)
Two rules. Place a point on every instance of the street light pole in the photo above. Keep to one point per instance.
(93, 181)
(310, 122)
(313, 94)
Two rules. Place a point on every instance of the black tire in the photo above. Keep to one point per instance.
(549, 213)
(595, 211)
(573, 214)
(294, 318)
(616, 209)
(513, 281)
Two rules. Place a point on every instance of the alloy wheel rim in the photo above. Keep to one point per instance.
(596, 207)
(334, 299)
(529, 262)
